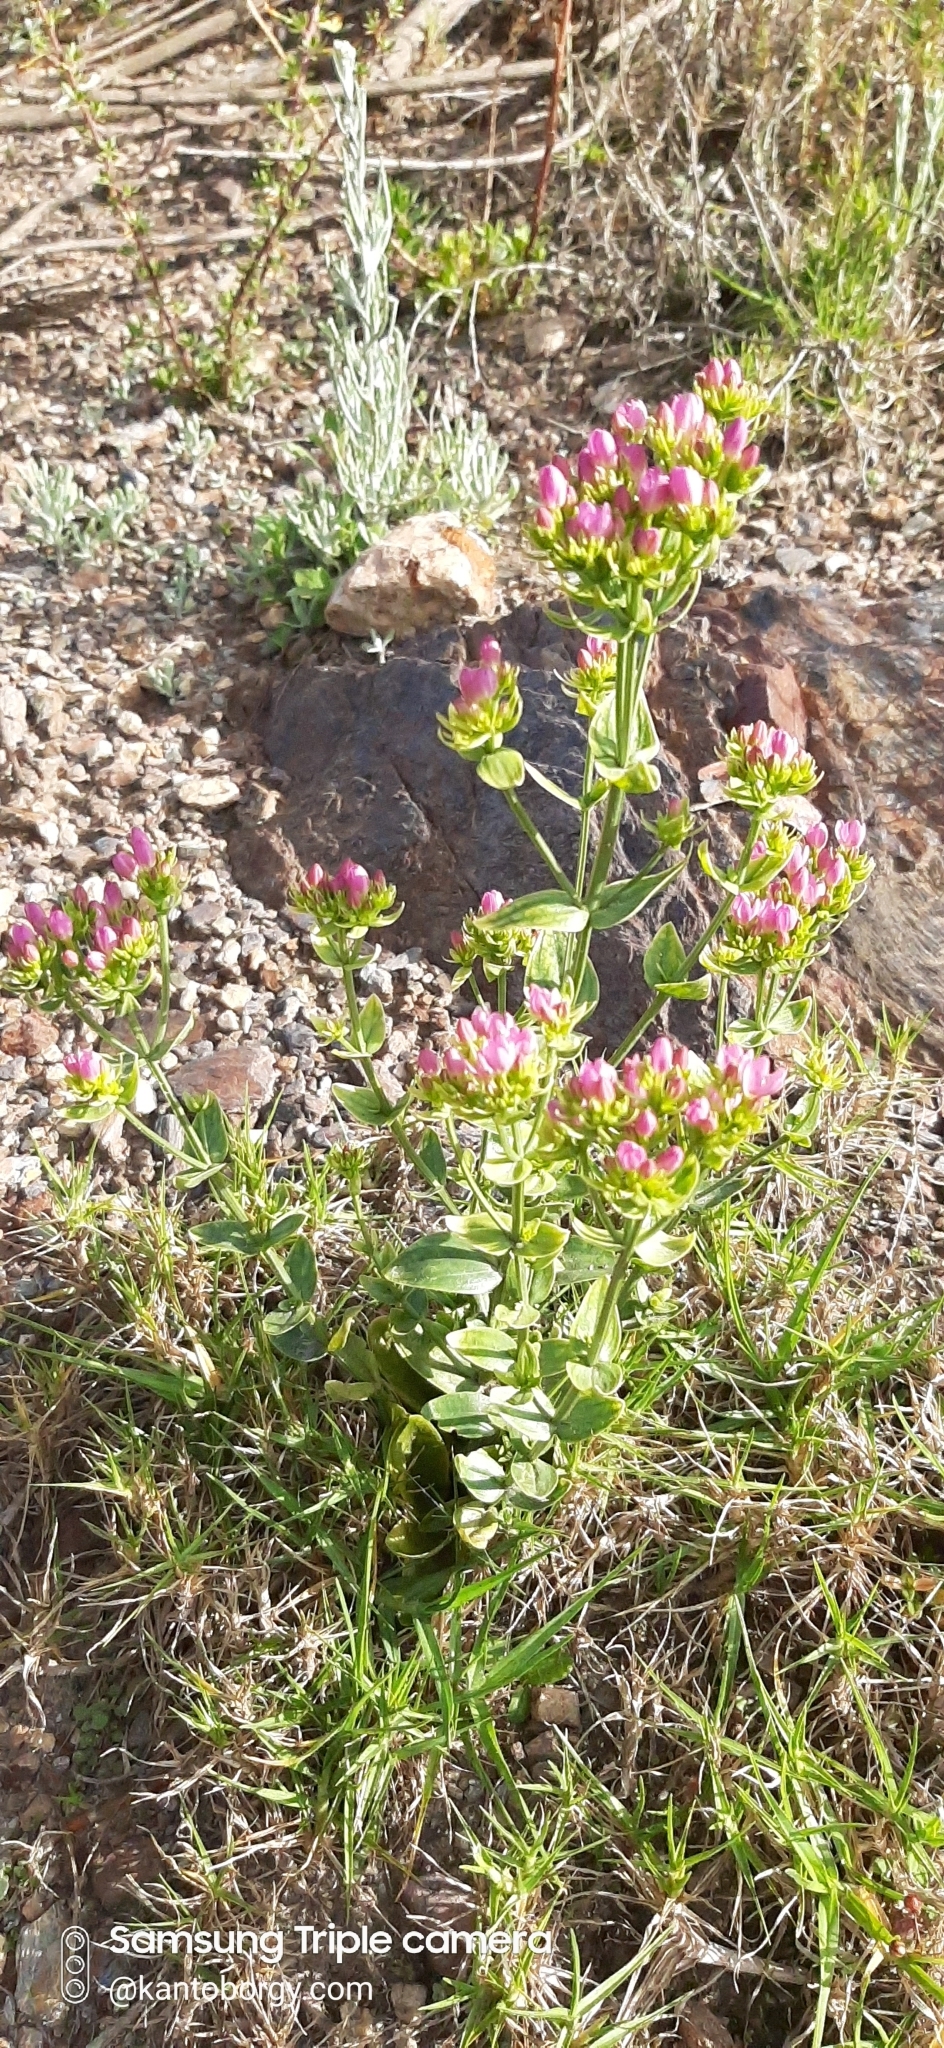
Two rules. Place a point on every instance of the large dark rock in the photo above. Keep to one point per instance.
(369, 777)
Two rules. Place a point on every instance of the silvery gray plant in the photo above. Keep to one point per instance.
(363, 475)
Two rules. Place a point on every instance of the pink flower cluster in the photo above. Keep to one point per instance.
(348, 900)
(648, 473)
(491, 1062)
(86, 1067)
(662, 1111)
(93, 932)
(763, 762)
(487, 704)
(497, 950)
(815, 883)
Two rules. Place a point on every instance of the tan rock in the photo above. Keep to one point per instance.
(235, 1075)
(208, 792)
(555, 1706)
(426, 572)
(548, 334)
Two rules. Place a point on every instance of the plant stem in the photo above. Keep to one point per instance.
(612, 1293)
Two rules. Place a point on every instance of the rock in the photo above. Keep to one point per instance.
(408, 2000)
(795, 561)
(13, 721)
(38, 1977)
(262, 863)
(699, 2027)
(208, 792)
(423, 573)
(918, 525)
(235, 1074)
(27, 1037)
(369, 777)
(548, 334)
(555, 1706)
(770, 690)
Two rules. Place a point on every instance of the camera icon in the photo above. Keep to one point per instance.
(75, 1965)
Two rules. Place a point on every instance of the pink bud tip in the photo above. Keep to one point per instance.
(630, 1156)
(735, 437)
(544, 519)
(315, 875)
(428, 1063)
(751, 456)
(590, 521)
(126, 866)
(81, 897)
(141, 848)
(491, 901)
(476, 685)
(688, 411)
(759, 1079)
(733, 374)
(850, 834)
(647, 540)
(601, 445)
(84, 1066)
(69, 959)
(552, 487)
(351, 881)
(645, 1123)
(713, 374)
(670, 1160)
(661, 1055)
(597, 1081)
(36, 915)
(546, 1005)
(652, 491)
(95, 963)
(817, 837)
(490, 653)
(112, 897)
(60, 924)
(21, 946)
(630, 416)
(686, 486)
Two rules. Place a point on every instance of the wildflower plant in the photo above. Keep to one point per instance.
(553, 1177)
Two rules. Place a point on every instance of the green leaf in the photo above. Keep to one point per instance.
(212, 1130)
(482, 1475)
(433, 1156)
(553, 788)
(585, 1320)
(441, 1267)
(548, 961)
(302, 1269)
(479, 1230)
(283, 1229)
(621, 900)
(789, 1018)
(588, 994)
(373, 1024)
(542, 1243)
(452, 1410)
(227, 1236)
(301, 1337)
(664, 958)
(687, 991)
(660, 1248)
(364, 1104)
(502, 770)
(589, 1416)
(546, 910)
(417, 1453)
(533, 1480)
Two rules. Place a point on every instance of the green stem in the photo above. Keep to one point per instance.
(692, 958)
(163, 1009)
(612, 1293)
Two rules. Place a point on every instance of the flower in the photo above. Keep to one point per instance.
(591, 521)
(21, 945)
(553, 488)
(141, 847)
(126, 866)
(849, 833)
(630, 417)
(688, 411)
(475, 684)
(490, 652)
(596, 648)
(491, 901)
(783, 925)
(487, 706)
(735, 437)
(686, 486)
(84, 1066)
(345, 904)
(491, 1066)
(547, 1005)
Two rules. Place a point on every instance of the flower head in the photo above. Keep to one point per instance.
(491, 1066)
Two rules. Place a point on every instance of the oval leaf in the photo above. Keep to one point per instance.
(546, 910)
(621, 900)
(503, 770)
(440, 1266)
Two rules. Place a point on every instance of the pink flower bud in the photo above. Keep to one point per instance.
(428, 1062)
(783, 746)
(601, 445)
(544, 519)
(547, 1005)
(597, 1081)
(786, 919)
(552, 487)
(647, 540)
(688, 411)
(491, 901)
(315, 876)
(713, 374)
(490, 653)
(759, 1079)
(850, 834)
(59, 924)
(112, 897)
(744, 908)
(141, 847)
(670, 1160)
(352, 880)
(84, 1066)
(660, 1055)
(711, 496)
(630, 416)
(37, 916)
(735, 437)
(635, 457)
(817, 837)
(751, 456)
(95, 963)
(477, 684)
(81, 897)
(69, 959)
(733, 374)
(454, 1065)
(621, 500)
(587, 467)
(593, 522)
(663, 418)
(129, 930)
(832, 869)
(645, 1123)
(686, 487)
(21, 945)
(652, 491)
(700, 1114)
(630, 1156)
(126, 866)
